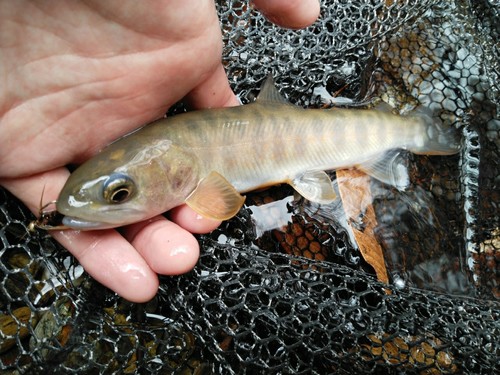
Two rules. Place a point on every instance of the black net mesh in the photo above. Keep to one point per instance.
(282, 287)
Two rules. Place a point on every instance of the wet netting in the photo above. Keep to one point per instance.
(283, 287)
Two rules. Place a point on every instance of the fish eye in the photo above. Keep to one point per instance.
(118, 188)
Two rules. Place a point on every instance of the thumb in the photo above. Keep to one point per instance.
(292, 14)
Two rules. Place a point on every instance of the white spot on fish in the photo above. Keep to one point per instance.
(145, 156)
(75, 202)
(230, 124)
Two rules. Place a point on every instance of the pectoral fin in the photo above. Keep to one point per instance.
(215, 198)
(315, 186)
(388, 168)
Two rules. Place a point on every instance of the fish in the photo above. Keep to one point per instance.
(208, 158)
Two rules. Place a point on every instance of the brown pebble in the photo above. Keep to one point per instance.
(289, 239)
(310, 236)
(302, 243)
(315, 247)
(286, 247)
(319, 257)
(268, 199)
(297, 230)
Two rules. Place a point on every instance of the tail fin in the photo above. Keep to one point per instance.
(437, 139)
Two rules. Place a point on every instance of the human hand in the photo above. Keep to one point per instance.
(76, 76)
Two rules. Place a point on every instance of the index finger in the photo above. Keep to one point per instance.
(213, 92)
(105, 255)
(293, 14)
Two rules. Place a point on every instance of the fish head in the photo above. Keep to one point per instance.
(126, 183)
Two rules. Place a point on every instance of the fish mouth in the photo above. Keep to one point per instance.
(113, 218)
(76, 223)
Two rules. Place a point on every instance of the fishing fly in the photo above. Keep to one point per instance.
(46, 220)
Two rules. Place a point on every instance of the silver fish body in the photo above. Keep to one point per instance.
(206, 158)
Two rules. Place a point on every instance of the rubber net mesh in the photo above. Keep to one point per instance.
(282, 287)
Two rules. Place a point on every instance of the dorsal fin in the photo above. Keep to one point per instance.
(269, 92)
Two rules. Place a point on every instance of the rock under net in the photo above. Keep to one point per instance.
(297, 296)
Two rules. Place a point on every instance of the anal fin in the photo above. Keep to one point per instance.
(389, 168)
(215, 198)
(315, 186)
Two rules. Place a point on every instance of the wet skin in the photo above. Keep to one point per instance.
(67, 93)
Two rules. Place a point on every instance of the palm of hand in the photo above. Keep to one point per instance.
(91, 73)
(98, 76)
(75, 76)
